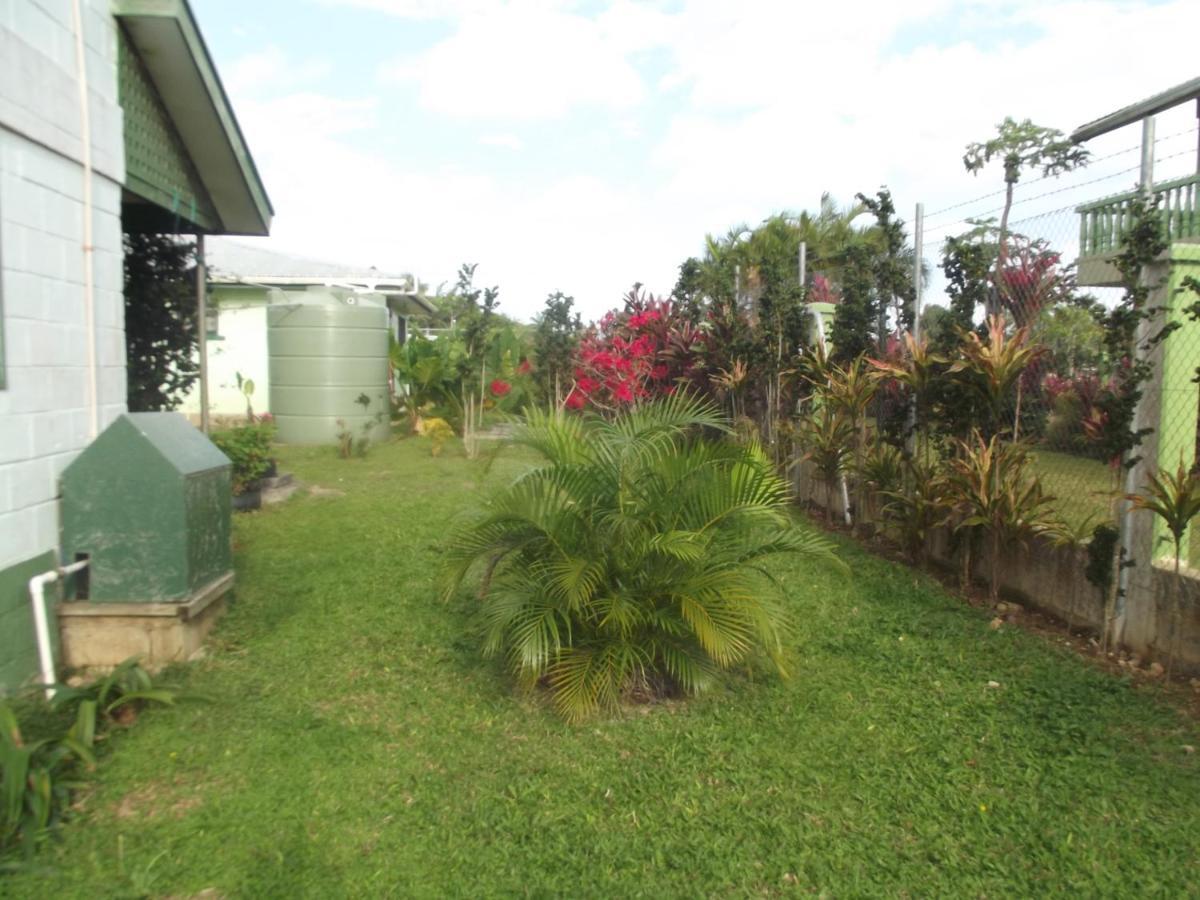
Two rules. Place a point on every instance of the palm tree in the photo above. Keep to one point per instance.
(632, 558)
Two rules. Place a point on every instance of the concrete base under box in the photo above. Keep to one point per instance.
(102, 635)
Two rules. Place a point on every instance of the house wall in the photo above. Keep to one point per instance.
(44, 411)
(241, 346)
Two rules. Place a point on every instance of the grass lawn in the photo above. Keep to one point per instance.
(1082, 488)
(356, 745)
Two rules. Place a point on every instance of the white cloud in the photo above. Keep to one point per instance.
(521, 61)
(764, 106)
(505, 141)
(418, 9)
(271, 69)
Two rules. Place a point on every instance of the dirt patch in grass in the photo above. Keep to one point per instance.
(158, 799)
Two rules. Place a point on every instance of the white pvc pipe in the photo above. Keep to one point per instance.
(89, 286)
(41, 623)
(845, 489)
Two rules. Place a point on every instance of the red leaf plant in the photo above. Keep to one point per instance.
(644, 350)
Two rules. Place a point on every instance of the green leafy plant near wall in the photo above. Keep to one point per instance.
(1175, 498)
(249, 449)
(37, 777)
(630, 561)
(38, 774)
(350, 444)
(990, 490)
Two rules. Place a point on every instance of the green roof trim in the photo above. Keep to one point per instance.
(1135, 112)
(166, 40)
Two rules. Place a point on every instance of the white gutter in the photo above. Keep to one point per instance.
(89, 285)
(41, 624)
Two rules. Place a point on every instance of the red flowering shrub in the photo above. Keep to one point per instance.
(643, 351)
(499, 387)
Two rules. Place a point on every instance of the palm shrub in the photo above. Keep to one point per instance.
(1174, 498)
(631, 559)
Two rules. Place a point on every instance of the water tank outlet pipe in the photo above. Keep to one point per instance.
(41, 624)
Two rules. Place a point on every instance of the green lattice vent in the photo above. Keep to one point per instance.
(157, 166)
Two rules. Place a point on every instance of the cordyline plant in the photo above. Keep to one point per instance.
(988, 490)
(916, 369)
(826, 439)
(850, 390)
(1174, 498)
(995, 367)
(631, 561)
(916, 506)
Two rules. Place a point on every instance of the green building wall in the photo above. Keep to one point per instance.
(18, 640)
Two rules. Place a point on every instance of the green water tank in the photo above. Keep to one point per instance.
(325, 358)
(148, 503)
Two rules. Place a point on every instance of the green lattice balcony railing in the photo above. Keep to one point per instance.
(1103, 223)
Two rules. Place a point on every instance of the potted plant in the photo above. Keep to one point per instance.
(249, 449)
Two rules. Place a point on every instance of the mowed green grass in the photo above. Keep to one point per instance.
(1083, 491)
(354, 744)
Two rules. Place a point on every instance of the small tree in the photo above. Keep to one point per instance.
(1021, 146)
(161, 334)
(855, 328)
(893, 266)
(966, 261)
(475, 317)
(555, 336)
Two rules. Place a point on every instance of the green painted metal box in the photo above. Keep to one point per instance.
(148, 502)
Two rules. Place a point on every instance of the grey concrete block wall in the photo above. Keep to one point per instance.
(1053, 579)
(44, 417)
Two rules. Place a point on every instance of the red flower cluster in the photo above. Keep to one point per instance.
(499, 387)
(640, 352)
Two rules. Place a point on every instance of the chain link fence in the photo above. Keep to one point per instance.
(1055, 274)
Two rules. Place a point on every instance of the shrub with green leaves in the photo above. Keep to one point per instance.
(249, 449)
(631, 560)
(38, 774)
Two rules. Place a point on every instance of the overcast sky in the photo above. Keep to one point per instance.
(582, 146)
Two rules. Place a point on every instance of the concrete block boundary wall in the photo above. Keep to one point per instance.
(44, 405)
(1053, 580)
